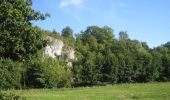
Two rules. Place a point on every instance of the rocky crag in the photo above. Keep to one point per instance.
(58, 50)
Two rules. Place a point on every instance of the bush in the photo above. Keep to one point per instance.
(10, 74)
(5, 96)
(47, 73)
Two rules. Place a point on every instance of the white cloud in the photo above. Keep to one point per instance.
(68, 3)
(75, 11)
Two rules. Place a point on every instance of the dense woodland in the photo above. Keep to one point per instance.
(100, 57)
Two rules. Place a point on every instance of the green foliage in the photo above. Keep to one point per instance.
(67, 36)
(155, 69)
(101, 58)
(5, 96)
(18, 39)
(123, 35)
(47, 73)
(91, 46)
(10, 74)
(67, 32)
(53, 34)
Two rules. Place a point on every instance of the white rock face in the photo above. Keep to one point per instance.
(71, 54)
(57, 49)
(54, 50)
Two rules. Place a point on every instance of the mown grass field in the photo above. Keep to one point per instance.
(147, 91)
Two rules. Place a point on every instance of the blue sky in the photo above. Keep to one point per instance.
(145, 20)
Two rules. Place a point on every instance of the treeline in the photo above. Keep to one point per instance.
(104, 59)
(100, 57)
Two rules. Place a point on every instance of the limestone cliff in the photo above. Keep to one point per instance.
(58, 50)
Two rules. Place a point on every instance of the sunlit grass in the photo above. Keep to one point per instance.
(147, 91)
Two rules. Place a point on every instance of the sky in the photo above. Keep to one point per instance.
(144, 20)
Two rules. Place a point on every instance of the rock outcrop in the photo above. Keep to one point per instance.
(58, 50)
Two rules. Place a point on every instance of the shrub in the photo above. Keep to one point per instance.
(47, 73)
(10, 74)
(5, 96)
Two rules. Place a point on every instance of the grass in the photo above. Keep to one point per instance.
(147, 91)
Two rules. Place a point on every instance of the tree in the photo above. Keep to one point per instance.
(155, 69)
(47, 73)
(67, 32)
(144, 45)
(110, 68)
(123, 35)
(165, 56)
(95, 58)
(18, 39)
(10, 74)
(167, 45)
(55, 32)
(102, 35)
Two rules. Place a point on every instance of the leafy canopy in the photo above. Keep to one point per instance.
(19, 40)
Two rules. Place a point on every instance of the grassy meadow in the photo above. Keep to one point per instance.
(143, 91)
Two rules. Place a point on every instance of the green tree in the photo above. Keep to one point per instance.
(123, 35)
(18, 39)
(110, 67)
(102, 35)
(167, 45)
(91, 47)
(155, 69)
(144, 45)
(67, 32)
(55, 32)
(165, 56)
(10, 74)
(47, 73)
